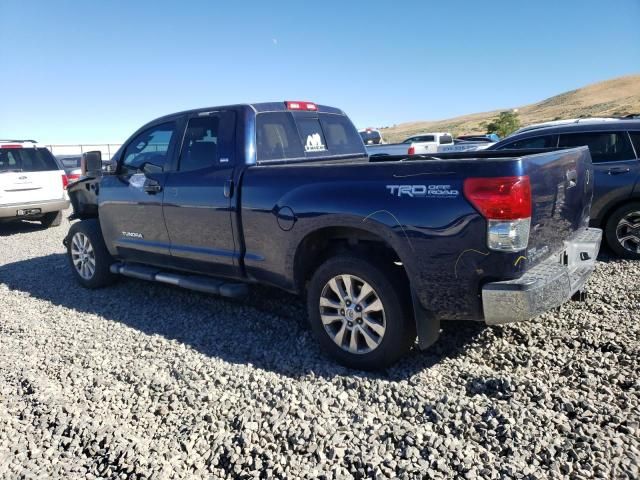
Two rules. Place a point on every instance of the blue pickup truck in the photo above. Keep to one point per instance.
(383, 249)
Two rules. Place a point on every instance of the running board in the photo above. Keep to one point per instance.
(199, 283)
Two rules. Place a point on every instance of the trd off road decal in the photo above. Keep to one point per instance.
(314, 143)
(433, 191)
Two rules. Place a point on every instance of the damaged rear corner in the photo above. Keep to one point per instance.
(84, 198)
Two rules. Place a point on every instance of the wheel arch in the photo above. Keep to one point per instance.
(320, 244)
(601, 221)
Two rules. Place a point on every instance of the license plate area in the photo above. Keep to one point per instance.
(25, 212)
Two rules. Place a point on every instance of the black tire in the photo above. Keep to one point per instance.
(101, 276)
(612, 225)
(400, 332)
(51, 219)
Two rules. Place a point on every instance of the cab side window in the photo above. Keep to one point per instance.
(148, 151)
(208, 142)
(604, 146)
(546, 141)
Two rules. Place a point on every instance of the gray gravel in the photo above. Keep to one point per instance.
(142, 380)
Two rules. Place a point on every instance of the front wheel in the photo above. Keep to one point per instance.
(358, 315)
(622, 231)
(88, 256)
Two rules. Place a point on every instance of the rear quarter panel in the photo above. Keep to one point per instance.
(440, 238)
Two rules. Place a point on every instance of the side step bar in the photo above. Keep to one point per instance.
(198, 283)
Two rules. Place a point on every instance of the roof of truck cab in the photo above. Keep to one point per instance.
(256, 107)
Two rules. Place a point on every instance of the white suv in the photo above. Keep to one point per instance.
(32, 183)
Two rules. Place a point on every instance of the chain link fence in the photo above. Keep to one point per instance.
(107, 149)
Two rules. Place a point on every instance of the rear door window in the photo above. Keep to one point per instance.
(208, 142)
(604, 146)
(27, 160)
(546, 141)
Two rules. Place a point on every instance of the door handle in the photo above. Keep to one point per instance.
(618, 170)
(152, 187)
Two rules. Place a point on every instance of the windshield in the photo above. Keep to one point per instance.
(27, 160)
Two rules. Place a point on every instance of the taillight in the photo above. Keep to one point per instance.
(65, 181)
(296, 105)
(411, 151)
(506, 204)
(10, 145)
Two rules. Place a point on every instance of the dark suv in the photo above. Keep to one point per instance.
(615, 151)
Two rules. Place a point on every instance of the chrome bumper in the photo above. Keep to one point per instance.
(545, 286)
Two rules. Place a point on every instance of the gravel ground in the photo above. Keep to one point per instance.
(147, 381)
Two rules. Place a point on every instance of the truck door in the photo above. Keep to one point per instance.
(615, 166)
(197, 202)
(131, 199)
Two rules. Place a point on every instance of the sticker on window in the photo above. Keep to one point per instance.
(314, 143)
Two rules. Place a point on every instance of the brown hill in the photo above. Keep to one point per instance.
(617, 97)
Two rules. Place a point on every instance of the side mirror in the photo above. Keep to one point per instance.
(91, 163)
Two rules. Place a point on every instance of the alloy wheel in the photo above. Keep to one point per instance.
(352, 314)
(83, 256)
(628, 232)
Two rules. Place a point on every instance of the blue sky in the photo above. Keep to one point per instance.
(85, 71)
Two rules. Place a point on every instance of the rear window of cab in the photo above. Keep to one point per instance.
(288, 136)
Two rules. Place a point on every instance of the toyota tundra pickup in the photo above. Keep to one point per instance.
(382, 248)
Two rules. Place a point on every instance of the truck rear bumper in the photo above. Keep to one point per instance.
(32, 209)
(545, 286)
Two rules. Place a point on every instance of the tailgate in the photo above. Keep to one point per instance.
(561, 193)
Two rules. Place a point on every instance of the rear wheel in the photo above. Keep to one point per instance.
(622, 231)
(358, 313)
(88, 256)
(51, 219)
